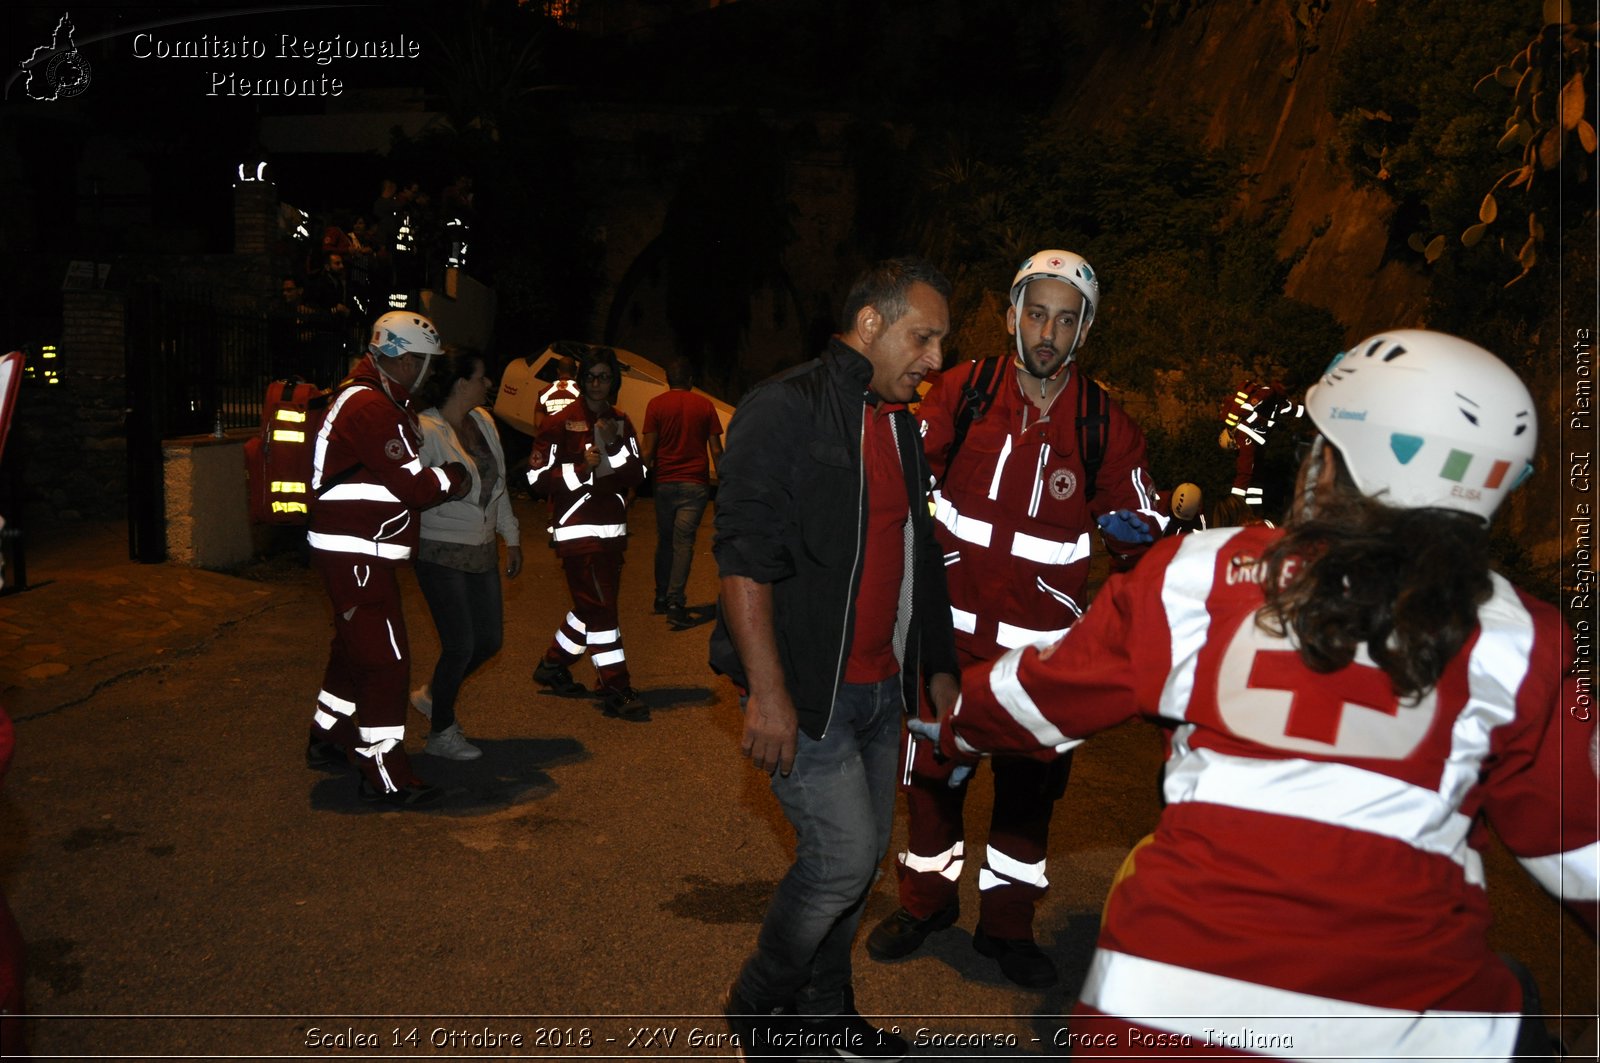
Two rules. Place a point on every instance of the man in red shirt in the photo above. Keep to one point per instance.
(680, 427)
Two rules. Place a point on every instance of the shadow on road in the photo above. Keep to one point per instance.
(511, 771)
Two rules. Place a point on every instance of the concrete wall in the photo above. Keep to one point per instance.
(208, 519)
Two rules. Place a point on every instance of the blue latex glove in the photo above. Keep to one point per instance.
(1127, 526)
(928, 731)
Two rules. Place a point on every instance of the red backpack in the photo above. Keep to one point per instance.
(279, 459)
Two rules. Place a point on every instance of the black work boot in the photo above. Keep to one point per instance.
(901, 933)
(558, 679)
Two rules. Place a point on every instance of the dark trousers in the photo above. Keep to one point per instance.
(467, 613)
(679, 506)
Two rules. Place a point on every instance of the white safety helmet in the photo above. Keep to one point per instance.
(1062, 266)
(1426, 419)
(404, 332)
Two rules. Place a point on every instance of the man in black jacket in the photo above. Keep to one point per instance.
(834, 621)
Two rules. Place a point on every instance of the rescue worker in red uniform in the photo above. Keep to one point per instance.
(585, 460)
(1249, 418)
(562, 393)
(1355, 701)
(1014, 515)
(370, 483)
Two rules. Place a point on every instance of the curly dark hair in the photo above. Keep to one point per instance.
(1406, 582)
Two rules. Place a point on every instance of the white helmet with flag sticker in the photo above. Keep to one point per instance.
(404, 332)
(1426, 419)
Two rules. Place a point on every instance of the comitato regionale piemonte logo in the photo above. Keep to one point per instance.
(57, 71)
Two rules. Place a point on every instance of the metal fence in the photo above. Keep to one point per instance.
(197, 364)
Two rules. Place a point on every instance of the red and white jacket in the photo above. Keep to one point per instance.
(589, 512)
(1012, 515)
(367, 457)
(1317, 866)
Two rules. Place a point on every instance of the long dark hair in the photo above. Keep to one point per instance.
(456, 363)
(1407, 582)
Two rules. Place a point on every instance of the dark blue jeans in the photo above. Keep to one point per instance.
(840, 800)
(466, 610)
(679, 507)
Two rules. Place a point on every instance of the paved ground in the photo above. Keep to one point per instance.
(189, 888)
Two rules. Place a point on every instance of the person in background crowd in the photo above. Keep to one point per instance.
(458, 563)
(1052, 457)
(371, 483)
(562, 393)
(1351, 693)
(1251, 417)
(833, 622)
(335, 238)
(328, 289)
(293, 328)
(585, 460)
(682, 440)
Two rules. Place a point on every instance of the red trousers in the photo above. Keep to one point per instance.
(592, 626)
(362, 704)
(1012, 878)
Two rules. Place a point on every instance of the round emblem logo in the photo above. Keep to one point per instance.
(394, 450)
(68, 74)
(1062, 483)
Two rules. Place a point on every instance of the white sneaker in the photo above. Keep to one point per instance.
(451, 744)
(422, 702)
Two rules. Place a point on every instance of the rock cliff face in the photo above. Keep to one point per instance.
(1253, 77)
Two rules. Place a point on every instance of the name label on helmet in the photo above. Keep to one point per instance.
(1338, 413)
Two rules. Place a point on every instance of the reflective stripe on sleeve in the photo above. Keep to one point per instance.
(1048, 551)
(1019, 705)
(1010, 636)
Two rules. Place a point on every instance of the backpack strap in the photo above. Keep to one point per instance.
(982, 386)
(1093, 424)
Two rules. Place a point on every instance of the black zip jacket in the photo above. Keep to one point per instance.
(791, 512)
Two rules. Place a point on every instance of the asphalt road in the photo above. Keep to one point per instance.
(189, 888)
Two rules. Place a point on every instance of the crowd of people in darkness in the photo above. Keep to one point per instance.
(345, 266)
